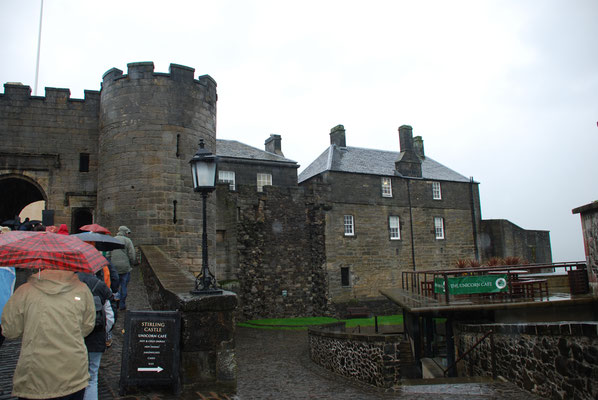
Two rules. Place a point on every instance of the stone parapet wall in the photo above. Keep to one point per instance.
(554, 361)
(368, 358)
(208, 325)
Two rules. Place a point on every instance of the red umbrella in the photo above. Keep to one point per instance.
(95, 228)
(45, 250)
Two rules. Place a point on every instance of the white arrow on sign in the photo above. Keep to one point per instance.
(153, 369)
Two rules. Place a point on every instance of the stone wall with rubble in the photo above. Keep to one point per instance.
(556, 360)
(280, 254)
(369, 358)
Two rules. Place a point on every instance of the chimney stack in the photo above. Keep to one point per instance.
(337, 136)
(408, 164)
(273, 145)
(418, 147)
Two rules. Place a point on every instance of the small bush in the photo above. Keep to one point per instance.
(473, 263)
(494, 261)
(512, 261)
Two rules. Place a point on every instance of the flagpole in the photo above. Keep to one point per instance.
(39, 40)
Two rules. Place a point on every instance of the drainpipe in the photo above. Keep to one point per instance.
(411, 224)
(473, 220)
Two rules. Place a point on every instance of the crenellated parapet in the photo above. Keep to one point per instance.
(16, 92)
(138, 72)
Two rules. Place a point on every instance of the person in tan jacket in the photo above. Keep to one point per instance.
(53, 312)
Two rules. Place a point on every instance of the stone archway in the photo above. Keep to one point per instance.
(18, 191)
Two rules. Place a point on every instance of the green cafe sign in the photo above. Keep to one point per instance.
(473, 284)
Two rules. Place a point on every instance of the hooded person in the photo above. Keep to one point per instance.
(96, 340)
(123, 260)
(53, 312)
(63, 230)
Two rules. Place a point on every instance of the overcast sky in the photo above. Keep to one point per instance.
(504, 91)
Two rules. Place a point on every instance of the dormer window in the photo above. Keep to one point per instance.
(386, 187)
(436, 192)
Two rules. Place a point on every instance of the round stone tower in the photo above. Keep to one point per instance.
(150, 127)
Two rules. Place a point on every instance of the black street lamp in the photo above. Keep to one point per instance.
(203, 169)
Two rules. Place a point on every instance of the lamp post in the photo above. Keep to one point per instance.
(203, 169)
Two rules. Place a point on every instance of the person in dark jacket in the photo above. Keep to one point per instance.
(96, 340)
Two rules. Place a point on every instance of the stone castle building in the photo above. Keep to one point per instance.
(289, 245)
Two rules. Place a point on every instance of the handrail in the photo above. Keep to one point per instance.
(468, 351)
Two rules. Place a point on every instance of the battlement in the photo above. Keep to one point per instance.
(145, 70)
(18, 91)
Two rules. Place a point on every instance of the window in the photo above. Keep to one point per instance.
(83, 162)
(386, 187)
(436, 192)
(349, 228)
(227, 177)
(263, 180)
(394, 227)
(439, 227)
(345, 276)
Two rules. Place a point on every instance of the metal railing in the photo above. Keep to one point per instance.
(413, 280)
(476, 344)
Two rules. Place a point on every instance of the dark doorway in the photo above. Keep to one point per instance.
(81, 216)
(17, 193)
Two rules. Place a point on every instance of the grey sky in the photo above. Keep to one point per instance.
(504, 91)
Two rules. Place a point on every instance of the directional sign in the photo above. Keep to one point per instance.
(151, 353)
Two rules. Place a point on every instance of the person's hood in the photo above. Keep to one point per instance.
(123, 230)
(53, 281)
(63, 230)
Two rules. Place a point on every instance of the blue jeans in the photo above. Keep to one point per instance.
(122, 290)
(91, 391)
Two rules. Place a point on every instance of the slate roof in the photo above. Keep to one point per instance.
(374, 162)
(235, 149)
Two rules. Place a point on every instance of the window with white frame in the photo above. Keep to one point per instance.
(227, 177)
(386, 187)
(436, 192)
(263, 180)
(349, 225)
(439, 227)
(395, 227)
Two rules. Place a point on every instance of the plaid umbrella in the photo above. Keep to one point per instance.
(45, 250)
(95, 228)
(103, 242)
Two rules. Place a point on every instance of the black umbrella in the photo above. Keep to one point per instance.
(103, 242)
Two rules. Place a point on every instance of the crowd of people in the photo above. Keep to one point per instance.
(64, 320)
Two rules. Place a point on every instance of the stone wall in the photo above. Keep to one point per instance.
(554, 361)
(208, 325)
(374, 260)
(42, 139)
(278, 240)
(589, 227)
(369, 358)
(502, 238)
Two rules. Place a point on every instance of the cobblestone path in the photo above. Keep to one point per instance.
(271, 365)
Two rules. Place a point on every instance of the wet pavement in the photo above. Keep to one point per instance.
(271, 365)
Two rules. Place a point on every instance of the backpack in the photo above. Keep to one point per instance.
(100, 313)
